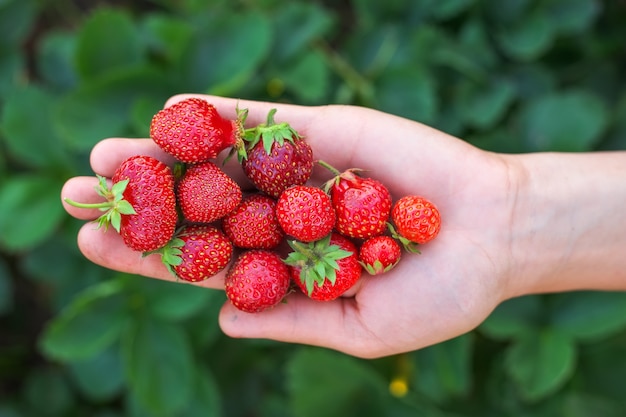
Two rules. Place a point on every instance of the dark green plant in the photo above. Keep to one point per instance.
(508, 76)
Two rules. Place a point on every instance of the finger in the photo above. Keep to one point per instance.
(107, 249)
(401, 153)
(81, 190)
(333, 324)
(108, 154)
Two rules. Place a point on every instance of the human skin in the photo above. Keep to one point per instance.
(511, 225)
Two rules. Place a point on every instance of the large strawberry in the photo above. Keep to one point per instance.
(193, 131)
(305, 213)
(258, 280)
(197, 252)
(206, 193)
(141, 203)
(379, 254)
(362, 205)
(417, 220)
(325, 269)
(253, 223)
(276, 157)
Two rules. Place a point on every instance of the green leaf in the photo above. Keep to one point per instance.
(87, 326)
(101, 377)
(567, 121)
(528, 38)
(448, 9)
(541, 363)
(297, 25)
(46, 392)
(408, 93)
(515, 318)
(444, 370)
(572, 16)
(6, 289)
(12, 66)
(326, 383)
(173, 301)
(589, 316)
(25, 121)
(206, 401)
(102, 107)
(16, 21)
(159, 366)
(100, 49)
(484, 105)
(166, 36)
(34, 200)
(226, 53)
(55, 59)
(307, 77)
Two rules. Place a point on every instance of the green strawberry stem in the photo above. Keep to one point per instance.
(329, 167)
(114, 206)
(408, 245)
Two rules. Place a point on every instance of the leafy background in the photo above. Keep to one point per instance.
(508, 76)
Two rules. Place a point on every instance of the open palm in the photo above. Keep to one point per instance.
(441, 293)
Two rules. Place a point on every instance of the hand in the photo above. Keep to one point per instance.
(443, 292)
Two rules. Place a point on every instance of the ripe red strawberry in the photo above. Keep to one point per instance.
(305, 212)
(193, 131)
(362, 205)
(325, 269)
(258, 280)
(141, 204)
(253, 223)
(276, 157)
(206, 193)
(198, 252)
(379, 254)
(416, 219)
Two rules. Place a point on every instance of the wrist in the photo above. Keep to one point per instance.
(569, 223)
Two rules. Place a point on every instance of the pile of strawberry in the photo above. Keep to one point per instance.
(198, 219)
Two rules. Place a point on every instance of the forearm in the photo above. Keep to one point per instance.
(569, 223)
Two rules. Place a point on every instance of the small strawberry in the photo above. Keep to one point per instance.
(325, 269)
(379, 254)
(305, 212)
(362, 205)
(417, 220)
(197, 252)
(193, 131)
(276, 157)
(258, 280)
(206, 193)
(253, 223)
(141, 203)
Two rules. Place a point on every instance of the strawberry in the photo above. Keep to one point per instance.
(193, 131)
(379, 254)
(206, 193)
(362, 205)
(141, 203)
(258, 280)
(305, 213)
(325, 269)
(197, 252)
(417, 220)
(277, 157)
(253, 223)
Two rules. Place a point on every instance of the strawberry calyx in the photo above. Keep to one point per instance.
(317, 261)
(268, 133)
(171, 253)
(377, 267)
(408, 245)
(113, 207)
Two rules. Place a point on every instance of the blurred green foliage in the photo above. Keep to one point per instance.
(508, 76)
